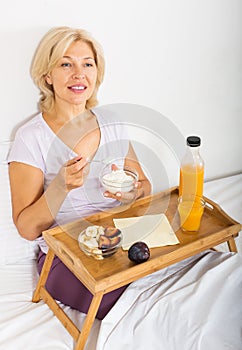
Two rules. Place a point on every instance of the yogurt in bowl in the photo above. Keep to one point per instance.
(121, 180)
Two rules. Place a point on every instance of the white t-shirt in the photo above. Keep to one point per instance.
(37, 145)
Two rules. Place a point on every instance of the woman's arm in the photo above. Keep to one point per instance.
(144, 186)
(33, 209)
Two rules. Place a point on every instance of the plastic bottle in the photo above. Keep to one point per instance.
(192, 169)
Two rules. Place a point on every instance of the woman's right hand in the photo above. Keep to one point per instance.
(74, 172)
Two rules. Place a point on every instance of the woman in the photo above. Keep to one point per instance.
(52, 180)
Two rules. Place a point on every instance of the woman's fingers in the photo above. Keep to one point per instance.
(125, 197)
(76, 163)
(75, 172)
(114, 167)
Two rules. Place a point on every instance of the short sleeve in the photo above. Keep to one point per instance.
(26, 149)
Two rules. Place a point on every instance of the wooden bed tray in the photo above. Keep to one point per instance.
(103, 276)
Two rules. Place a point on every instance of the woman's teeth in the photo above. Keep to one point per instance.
(78, 87)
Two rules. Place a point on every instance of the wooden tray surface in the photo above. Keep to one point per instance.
(117, 270)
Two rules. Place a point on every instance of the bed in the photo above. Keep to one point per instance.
(194, 304)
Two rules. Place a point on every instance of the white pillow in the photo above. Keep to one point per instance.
(13, 248)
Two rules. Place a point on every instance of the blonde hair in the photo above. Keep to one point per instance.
(51, 48)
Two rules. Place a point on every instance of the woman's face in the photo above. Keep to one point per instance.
(74, 77)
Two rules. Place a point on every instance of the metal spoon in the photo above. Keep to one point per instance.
(103, 161)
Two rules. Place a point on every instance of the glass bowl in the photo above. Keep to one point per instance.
(100, 242)
(121, 180)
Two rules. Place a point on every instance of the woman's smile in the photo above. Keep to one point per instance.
(77, 88)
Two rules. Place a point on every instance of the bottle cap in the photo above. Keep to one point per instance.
(193, 141)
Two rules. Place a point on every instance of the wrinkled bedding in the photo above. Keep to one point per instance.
(192, 305)
(28, 326)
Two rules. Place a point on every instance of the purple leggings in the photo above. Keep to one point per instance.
(66, 288)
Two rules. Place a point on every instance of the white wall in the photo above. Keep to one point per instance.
(181, 58)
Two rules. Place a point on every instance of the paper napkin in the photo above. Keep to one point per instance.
(154, 230)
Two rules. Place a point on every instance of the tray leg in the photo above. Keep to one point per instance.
(43, 276)
(89, 321)
(232, 245)
(60, 314)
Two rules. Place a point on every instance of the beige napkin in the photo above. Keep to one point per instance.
(154, 230)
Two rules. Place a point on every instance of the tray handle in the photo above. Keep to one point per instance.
(73, 261)
(216, 209)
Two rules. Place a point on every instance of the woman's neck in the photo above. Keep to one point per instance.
(58, 117)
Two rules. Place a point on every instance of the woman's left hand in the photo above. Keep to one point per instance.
(126, 197)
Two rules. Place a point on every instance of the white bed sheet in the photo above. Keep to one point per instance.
(186, 306)
(32, 326)
(193, 305)
(227, 192)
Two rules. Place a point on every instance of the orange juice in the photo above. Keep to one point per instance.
(191, 180)
(190, 210)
